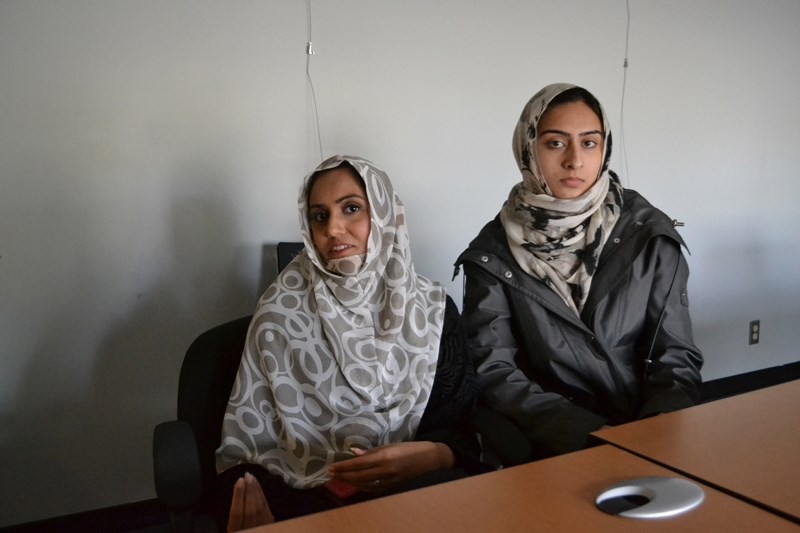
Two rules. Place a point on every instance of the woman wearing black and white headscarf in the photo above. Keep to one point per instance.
(355, 367)
(575, 294)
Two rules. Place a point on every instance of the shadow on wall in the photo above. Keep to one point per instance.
(93, 450)
(734, 281)
(726, 347)
(136, 377)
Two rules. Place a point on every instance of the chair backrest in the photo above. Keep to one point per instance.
(207, 374)
(287, 251)
(206, 379)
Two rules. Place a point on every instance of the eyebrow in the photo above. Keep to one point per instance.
(340, 200)
(565, 134)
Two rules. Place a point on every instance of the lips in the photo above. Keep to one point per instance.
(572, 182)
(339, 250)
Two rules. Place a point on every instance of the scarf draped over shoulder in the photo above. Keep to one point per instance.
(337, 355)
(558, 240)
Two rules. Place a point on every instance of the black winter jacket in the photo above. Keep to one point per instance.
(559, 377)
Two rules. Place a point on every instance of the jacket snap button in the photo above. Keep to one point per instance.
(484, 259)
(639, 223)
(616, 241)
(508, 274)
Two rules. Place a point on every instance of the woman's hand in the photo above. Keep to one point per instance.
(384, 466)
(249, 507)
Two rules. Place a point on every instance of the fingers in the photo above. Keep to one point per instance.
(393, 463)
(249, 507)
(257, 509)
(358, 452)
(370, 470)
(371, 484)
(236, 514)
(362, 468)
(355, 465)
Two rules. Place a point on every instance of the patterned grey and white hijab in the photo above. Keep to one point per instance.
(336, 360)
(558, 240)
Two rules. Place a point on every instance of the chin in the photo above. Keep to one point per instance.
(569, 195)
(342, 256)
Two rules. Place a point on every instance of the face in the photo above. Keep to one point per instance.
(569, 145)
(338, 214)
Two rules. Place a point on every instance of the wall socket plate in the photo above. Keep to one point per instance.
(755, 332)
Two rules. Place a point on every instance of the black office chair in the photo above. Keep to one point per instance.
(183, 449)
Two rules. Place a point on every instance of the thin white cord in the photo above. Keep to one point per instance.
(622, 102)
(309, 53)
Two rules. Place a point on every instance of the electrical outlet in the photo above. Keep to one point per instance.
(755, 332)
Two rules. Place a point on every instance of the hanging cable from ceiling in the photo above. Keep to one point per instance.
(624, 151)
(309, 53)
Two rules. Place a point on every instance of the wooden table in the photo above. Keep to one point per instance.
(746, 445)
(551, 495)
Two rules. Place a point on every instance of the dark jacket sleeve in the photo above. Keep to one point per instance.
(672, 366)
(447, 417)
(550, 421)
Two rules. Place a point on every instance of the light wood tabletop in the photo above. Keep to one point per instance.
(747, 445)
(551, 495)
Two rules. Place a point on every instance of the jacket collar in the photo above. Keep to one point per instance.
(638, 224)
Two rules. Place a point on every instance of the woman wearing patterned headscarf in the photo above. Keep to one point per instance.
(355, 372)
(575, 294)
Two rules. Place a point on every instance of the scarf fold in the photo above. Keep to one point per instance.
(338, 355)
(558, 240)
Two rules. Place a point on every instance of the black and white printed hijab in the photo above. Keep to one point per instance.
(337, 355)
(558, 240)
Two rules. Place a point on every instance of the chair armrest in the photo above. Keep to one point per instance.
(501, 437)
(176, 465)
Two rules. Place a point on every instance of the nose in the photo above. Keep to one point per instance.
(335, 226)
(572, 157)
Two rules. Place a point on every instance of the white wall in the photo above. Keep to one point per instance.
(149, 149)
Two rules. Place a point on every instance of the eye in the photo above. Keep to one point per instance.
(592, 141)
(554, 143)
(351, 209)
(317, 217)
